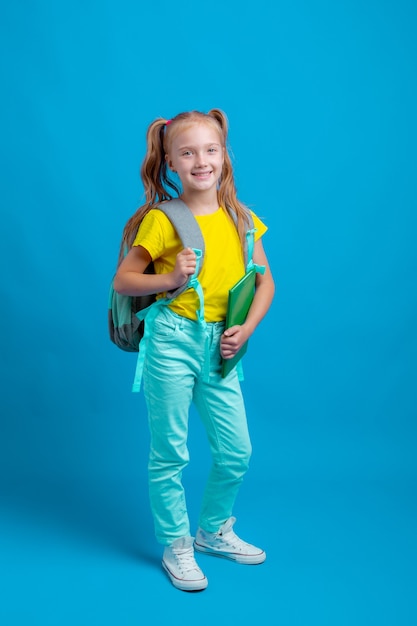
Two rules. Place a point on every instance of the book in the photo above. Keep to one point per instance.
(238, 305)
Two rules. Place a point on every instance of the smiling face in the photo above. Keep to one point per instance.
(196, 153)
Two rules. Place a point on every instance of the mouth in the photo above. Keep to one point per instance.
(202, 174)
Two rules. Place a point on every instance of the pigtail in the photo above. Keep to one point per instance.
(154, 170)
(227, 192)
(155, 179)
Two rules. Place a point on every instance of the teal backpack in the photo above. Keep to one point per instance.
(125, 313)
(125, 328)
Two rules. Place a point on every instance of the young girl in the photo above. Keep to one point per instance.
(183, 356)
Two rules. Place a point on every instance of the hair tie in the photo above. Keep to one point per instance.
(168, 122)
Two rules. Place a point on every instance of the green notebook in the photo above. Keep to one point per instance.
(240, 300)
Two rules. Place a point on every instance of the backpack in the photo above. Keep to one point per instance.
(125, 328)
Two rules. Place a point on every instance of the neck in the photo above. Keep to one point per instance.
(201, 203)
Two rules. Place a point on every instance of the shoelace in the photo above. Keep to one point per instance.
(233, 540)
(185, 560)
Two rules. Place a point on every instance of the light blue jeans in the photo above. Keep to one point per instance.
(182, 365)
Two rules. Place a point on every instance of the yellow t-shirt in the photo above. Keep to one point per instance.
(223, 260)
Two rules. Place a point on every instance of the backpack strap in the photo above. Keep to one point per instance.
(149, 314)
(188, 231)
(249, 243)
(249, 264)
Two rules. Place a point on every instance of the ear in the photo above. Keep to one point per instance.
(169, 163)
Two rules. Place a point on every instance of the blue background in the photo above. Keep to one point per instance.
(321, 99)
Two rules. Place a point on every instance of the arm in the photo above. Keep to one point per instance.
(131, 280)
(234, 338)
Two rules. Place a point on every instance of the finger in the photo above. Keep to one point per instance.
(231, 331)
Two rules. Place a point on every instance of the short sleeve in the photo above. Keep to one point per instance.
(154, 232)
(261, 228)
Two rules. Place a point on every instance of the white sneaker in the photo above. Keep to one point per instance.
(179, 563)
(225, 543)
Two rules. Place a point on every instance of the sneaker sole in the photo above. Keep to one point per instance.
(251, 559)
(186, 585)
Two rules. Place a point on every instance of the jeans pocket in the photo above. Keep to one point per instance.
(164, 326)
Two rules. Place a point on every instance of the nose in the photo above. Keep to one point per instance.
(201, 160)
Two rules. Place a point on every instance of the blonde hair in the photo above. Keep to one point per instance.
(157, 183)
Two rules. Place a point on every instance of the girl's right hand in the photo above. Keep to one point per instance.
(185, 266)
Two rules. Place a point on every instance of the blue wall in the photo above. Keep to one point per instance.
(321, 99)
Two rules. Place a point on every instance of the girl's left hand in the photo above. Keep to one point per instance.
(232, 340)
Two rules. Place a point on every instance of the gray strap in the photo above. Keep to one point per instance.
(187, 229)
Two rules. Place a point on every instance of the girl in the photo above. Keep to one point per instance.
(183, 357)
